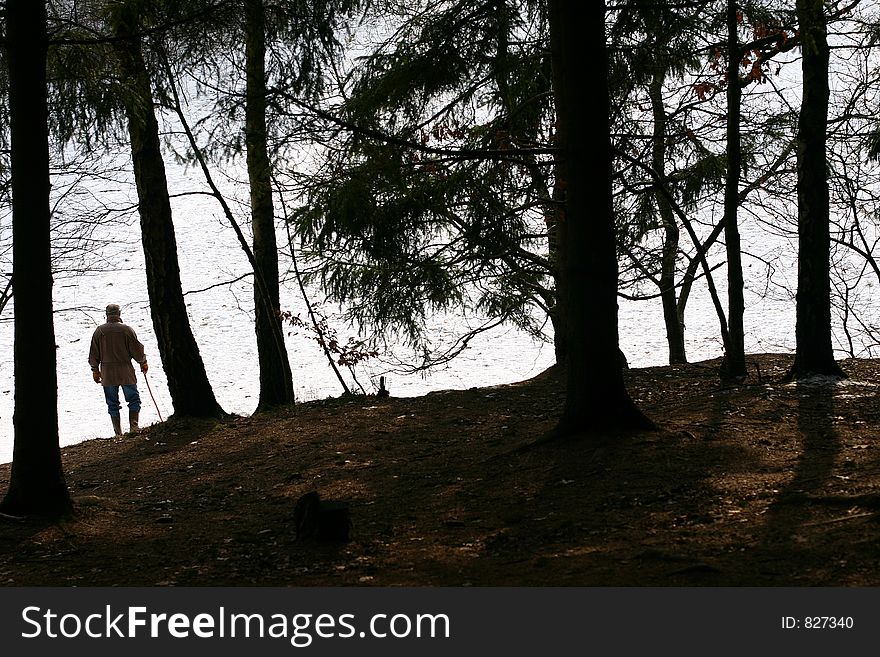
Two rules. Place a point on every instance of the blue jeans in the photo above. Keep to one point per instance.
(130, 391)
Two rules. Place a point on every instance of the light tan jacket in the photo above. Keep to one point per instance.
(113, 347)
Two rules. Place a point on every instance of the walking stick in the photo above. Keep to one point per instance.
(152, 397)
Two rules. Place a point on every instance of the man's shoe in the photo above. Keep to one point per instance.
(133, 421)
(117, 424)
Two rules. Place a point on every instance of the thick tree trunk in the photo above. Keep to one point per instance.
(188, 385)
(596, 397)
(814, 353)
(37, 483)
(734, 366)
(276, 386)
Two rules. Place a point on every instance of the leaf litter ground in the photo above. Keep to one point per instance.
(762, 484)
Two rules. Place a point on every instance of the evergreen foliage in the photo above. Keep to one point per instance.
(450, 212)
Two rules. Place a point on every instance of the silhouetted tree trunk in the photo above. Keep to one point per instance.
(546, 184)
(37, 483)
(671, 315)
(188, 384)
(555, 237)
(814, 353)
(596, 397)
(734, 365)
(276, 386)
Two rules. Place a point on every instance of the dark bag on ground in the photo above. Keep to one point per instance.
(321, 520)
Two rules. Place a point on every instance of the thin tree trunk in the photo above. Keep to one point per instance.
(276, 386)
(734, 358)
(37, 484)
(555, 219)
(814, 353)
(188, 384)
(554, 299)
(596, 397)
(671, 316)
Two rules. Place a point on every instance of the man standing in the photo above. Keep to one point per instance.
(114, 346)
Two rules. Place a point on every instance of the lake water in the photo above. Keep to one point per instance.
(221, 320)
(220, 316)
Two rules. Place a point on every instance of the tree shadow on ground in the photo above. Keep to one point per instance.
(737, 489)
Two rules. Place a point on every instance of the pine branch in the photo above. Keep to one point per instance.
(509, 154)
(158, 29)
